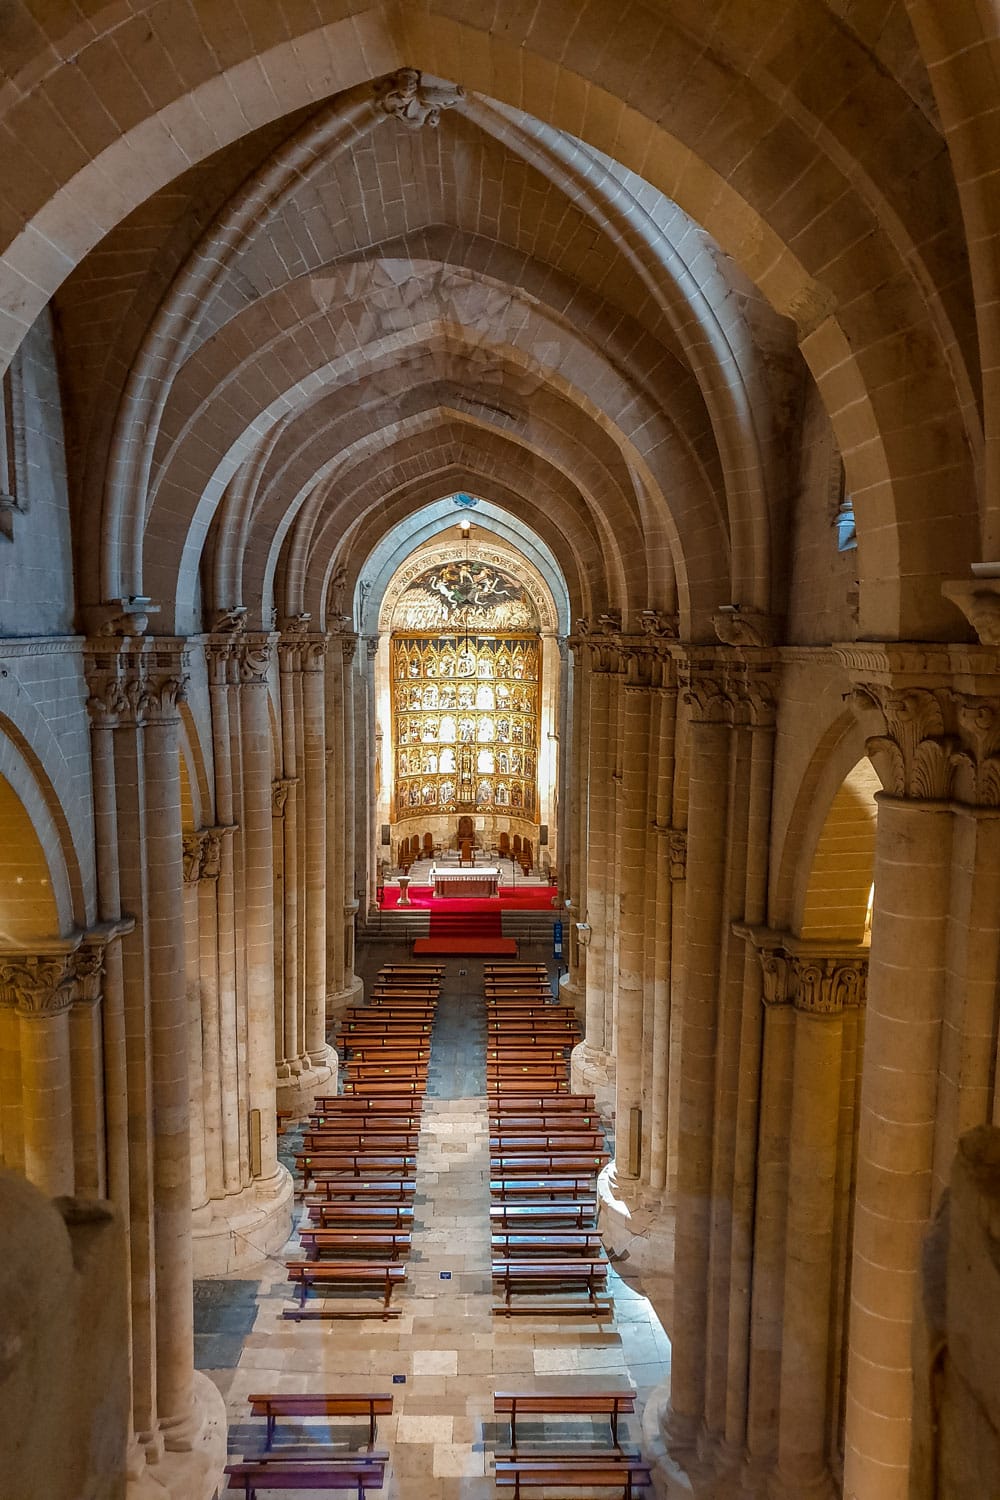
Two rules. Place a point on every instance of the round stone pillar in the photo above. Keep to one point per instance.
(630, 1044)
(896, 1145)
(321, 1056)
(42, 991)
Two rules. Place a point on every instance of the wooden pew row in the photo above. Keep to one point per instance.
(320, 1142)
(589, 1276)
(335, 1240)
(515, 1086)
(515, 1244)
(340, 1104)
(343, 1213)
(547, 1163)
(361, 1190)
(527, 1100)
(558, 1188)
(323, 1166)
(523, 1141)
(312, 1404)
(627, 1475)
(319, 1275)
(612, 1404)
(545, 1120)
(391, 1089)
(569, 1213)
(357, 1474)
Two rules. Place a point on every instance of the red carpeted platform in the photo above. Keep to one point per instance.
(511, 898)
(506, 947)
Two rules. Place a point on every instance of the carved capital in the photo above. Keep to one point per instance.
(371, 647)
(279, 794)
(192, 846)
(134, 683)
(826, 986)
(251, 656)
(938, 744)
(405, 97)
(313, 654)
(979, 601)
(724, 686)
(677, 853)
(38, 987)
(203, 853)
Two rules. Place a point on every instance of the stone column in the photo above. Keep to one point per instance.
(321, 1057)
(576, 691)
(41, 990)
(254, 655)
(335, 844)
(169, 1043)
(938, 744)
(352, 984)
(284, 816)
(822, 987)
(710, 717)
(192, 847)
(87, 1071)
(593, 1064)
(630, 1045)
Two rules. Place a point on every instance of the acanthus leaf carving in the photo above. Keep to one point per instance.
(38, 986)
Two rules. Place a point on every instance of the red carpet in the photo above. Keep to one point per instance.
(500, 945)
(511, 898)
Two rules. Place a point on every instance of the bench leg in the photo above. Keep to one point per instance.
(372, 1428)
(270, 1430)
(614, 1427)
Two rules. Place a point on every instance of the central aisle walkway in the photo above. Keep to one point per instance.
(449, 1347)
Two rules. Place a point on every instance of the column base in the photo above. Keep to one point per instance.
(592, 1071)
(638, 1234)
(244, 1229)
(196, 1473)
(337, 1001)
(297, 1091)
(571, 993)
(670, 1480)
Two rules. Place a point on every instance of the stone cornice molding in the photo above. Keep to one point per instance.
(136, 682)
(940, 711)
(817, 977)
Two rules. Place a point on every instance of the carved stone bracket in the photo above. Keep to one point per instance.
(406, 97)
(736, 625)
(136, 682)
(251, 655)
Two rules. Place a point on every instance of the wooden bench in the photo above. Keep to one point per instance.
(588, 1276)
(544, 1120)
(373, 1190)
(305, 1474)
(418, 1032)
(502, 1072)
(548, 1031)
(548, 1163)
(369, 1088)
(380, 1072)
(419, 969)
(341, 1104)
(570, 1472)
(368, 1121)
(386, 1242)
(548, 1242)
(354, 1141)
(326, 1164)
(312, 1404)
(387, 1052)
(503, 969)
(309, 1275)
(612, 1404)
(555, 1188)
(575, 1213)
(374, 1215)
(521, 1141)
(514, 1086)
(524, 1102)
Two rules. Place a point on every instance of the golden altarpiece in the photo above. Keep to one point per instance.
(465, 658)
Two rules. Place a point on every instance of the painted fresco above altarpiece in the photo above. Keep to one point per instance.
(465, 593)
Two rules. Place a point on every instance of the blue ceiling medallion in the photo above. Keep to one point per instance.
(463, 501)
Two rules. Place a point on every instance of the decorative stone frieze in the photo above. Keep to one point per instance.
(406, 97)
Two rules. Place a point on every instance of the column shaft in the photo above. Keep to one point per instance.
(895, 1156)
(314, 770)
(630, 1042)
(46, 1101)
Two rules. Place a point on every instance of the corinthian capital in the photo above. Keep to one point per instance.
(940, 720)
(719, 685)
(38, 986)
(818, 978)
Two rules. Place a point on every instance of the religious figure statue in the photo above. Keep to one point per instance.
(406, 97)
